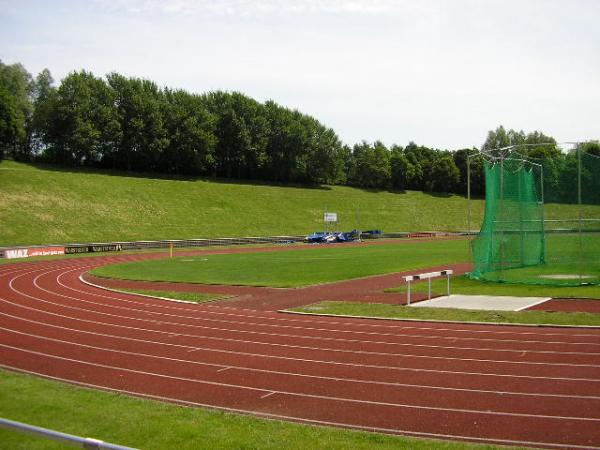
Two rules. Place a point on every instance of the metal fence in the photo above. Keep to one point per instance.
(77, 441)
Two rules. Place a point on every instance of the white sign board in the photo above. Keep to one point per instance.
(329, 217)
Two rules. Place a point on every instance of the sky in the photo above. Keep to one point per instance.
(439, 73)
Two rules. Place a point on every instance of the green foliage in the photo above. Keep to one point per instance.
(371, 167)
(444, 173)
(132, 124)
(83, 125)
(15, 109)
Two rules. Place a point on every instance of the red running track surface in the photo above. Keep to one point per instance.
(529, 386)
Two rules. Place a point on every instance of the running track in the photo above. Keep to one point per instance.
(537, 387)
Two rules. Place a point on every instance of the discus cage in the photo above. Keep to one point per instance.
(541, 221)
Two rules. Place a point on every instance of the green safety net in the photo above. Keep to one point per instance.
(542, 220)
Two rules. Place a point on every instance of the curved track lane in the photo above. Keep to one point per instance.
(528, 386)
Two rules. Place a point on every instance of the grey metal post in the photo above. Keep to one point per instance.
(429, 296)
(469, 193)
(543, 215)
(408, 293)
(579, 203)
(502, 212)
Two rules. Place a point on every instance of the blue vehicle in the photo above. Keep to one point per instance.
(319, 236)
(347, 236)
(329, 236)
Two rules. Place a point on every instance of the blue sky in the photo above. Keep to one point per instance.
(440, 73)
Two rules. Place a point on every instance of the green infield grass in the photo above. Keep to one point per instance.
(146, 424)
(447, 314)
(294, 268)
(195, 297)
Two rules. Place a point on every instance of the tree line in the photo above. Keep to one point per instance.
(132, 124)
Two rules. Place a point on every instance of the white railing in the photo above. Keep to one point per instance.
(86, 443)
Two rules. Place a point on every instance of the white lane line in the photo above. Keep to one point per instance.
(305, 360)
(330, 350)
(270, 416)
(203, 318)
(270, 316)
(300, 375)
(301, 395)
(269, 394)
(294, 336)
(325, 329)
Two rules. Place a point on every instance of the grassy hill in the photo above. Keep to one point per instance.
(47, 204)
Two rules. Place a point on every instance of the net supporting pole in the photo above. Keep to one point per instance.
(470, 249)
(469, 193)
(543, 236)
(500, 248)
(579, 213)
(519, 194)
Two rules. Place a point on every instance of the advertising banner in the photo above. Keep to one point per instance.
(33, 251)
(93, 248)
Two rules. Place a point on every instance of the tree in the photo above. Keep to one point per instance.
(401, 168)
(191, 130)
(44, 94)
(83, 126)
(372, 166)
(16, 89)
(140, 108)
(444, 173)
(477, 174)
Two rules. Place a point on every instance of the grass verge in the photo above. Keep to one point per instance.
(154, 425)
(194, 297)
(458, 315)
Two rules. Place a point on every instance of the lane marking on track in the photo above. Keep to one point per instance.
(269, 394)
(330, 350)
(203, 318)
(300, 375)
(107, 260)
(294, 336)
(270, 416)
(304, 360)
(301, 395)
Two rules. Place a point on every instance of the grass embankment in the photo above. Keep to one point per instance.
(154, 425)
(49, 204)
(293, 268)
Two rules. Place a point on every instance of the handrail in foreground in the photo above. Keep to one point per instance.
(86, 443)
